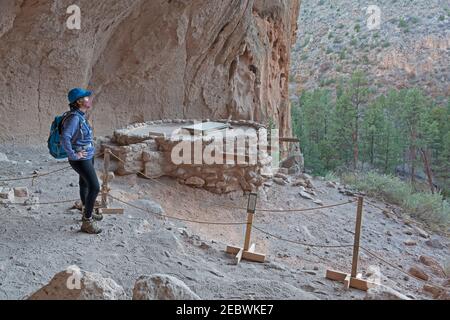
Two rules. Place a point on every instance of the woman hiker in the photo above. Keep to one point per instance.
(77, 141)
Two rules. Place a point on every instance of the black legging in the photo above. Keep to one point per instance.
(89, 185)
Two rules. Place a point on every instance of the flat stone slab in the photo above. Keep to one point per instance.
(160, 130)
(129, 136)
(206, 127)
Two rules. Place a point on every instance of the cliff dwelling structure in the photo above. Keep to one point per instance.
(221, 156)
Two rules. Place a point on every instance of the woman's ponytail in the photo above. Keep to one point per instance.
(73, 105)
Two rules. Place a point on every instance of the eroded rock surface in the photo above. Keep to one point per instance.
(145, 60)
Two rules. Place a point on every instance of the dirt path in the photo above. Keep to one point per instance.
(35, 244)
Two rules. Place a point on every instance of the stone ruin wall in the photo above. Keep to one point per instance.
(152, 156)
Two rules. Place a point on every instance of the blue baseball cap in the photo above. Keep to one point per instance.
(77, 93)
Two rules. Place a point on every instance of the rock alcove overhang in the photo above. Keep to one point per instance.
(144, 60)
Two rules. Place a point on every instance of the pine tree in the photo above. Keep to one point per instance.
(351, 98)
(311, 124)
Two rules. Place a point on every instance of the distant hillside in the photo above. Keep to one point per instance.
(411, 47)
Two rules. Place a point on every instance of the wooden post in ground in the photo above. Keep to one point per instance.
(248, 231)
(248, 251)
(105, 187)
(353, 280)
(357, 237)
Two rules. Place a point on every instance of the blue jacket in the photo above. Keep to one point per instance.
(75, 138)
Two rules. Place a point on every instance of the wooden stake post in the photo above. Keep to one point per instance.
(353, 279)
(248, 251)
(105, 188)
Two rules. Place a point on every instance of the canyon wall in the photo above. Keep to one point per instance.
(145, 60)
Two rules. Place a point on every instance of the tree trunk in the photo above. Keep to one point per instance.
(412, 156)
(372, 151)
(355, 145)
(426, 164)
(386, 156)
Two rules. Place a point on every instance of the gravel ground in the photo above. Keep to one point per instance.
(35, 244)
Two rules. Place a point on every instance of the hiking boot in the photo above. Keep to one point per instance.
(89, 226)
(95, 216)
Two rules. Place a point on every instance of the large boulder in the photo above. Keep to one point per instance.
(162, 287)
(74, 284)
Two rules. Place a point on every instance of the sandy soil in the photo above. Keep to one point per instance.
(35, 244)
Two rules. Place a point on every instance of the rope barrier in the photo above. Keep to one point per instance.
(38, 175)
(35, 175)
(243, 208)
(369, 252)
(301, 243)
(39, 203)
(289, 210)
(176, 218)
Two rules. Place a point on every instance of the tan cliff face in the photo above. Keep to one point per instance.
(145, 60)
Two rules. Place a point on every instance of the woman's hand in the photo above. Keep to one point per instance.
(81, 154)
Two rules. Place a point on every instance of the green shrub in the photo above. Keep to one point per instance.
(427, 207)
(402, 23)
(430, 208)
(386, 187)
(331, 176)
(357, 27)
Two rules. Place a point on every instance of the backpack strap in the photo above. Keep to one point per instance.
(66, 116)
